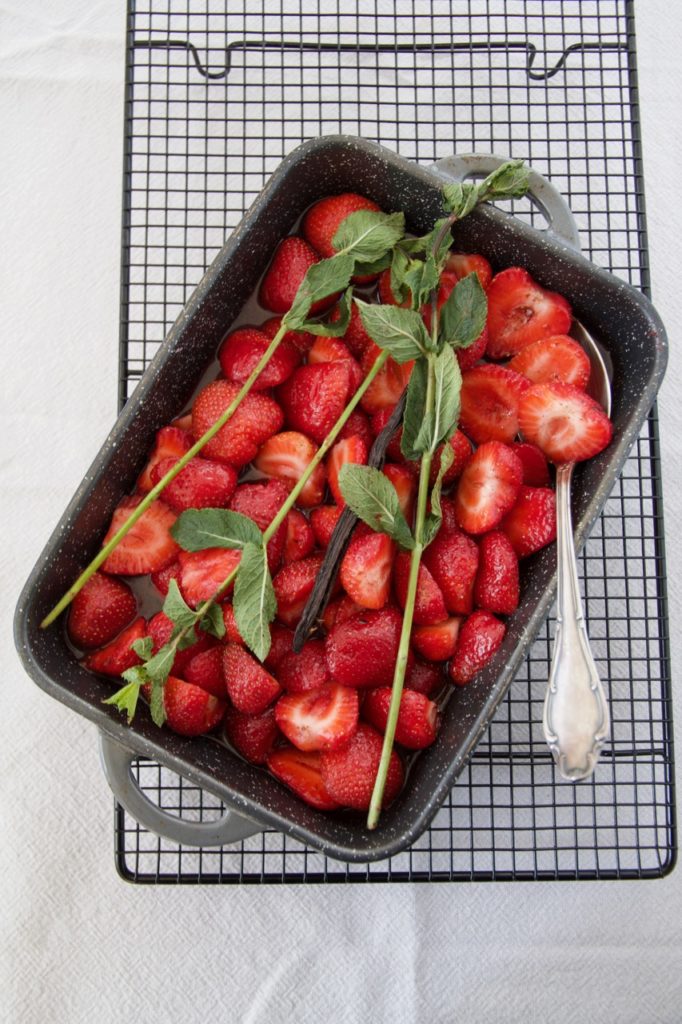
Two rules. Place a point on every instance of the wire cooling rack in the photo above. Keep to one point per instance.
(215, 100)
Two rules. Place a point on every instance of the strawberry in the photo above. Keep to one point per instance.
(299, 673)
(423, 677)
(160, 629)
(286, 456)
(386, 292)
(488, 487)
(339, 611)
(243, 349)
(301, 772)
(323, 520)
(100, 611)
(389, 383)
(447, 507)
(333, 350)
(490, 403)
(293, 585)
(531, 524)
(315, 396)
(291, 262)
(281, 644)
(497, 580)
(201, 484)
(118, 656)
(564, 422)
(255, 420)
(362, 651)
(437, 643)
(299, 339)
(479, 638)
(429, 606)
(351, 450)
(205, 669)
(558, 359)
(357, 425)
(323, 719)
(161, 579)
(191, 711)
(232, 634)
(461, 447)
(261, 501)
(300, 539)
(535, 468)
(171, 442)
(418, 718)
(469, 356)
(448, 280)
(183, 423)
(366, 567)
(462, 264)
(405, 484)
(252, 736)
(452, 560)
(202, 572)
(356, 337)
(521, 312)
(251, 688)
(324, 218)
(148, 545)
(349, 774)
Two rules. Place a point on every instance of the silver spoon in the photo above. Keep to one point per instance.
(576, 715)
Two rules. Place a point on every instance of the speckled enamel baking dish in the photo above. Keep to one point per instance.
(622, 320)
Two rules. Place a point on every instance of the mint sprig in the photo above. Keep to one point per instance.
(374, 499)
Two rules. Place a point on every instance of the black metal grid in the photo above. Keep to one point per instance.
(215, 100)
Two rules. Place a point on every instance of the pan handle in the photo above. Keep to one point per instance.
(116, 762)
(544, 194)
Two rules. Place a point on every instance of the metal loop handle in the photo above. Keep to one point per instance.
(116, 762)
(545, 195)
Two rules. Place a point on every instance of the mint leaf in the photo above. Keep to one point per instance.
(374, 267)
(509, 181)
(374, 499)
(415, 404)
(176, 609)
(321, 280)
(421, 277)
(126, 698)
(426, 243)
(460, 197)
(367, 235)
(213, 622)
(332, 328)
(447, 385)
(400, 331)
(435, 516)
(157, 704)
(144, 647)
(399, 267)
(197, 529)
(159, 667)
(254, 602)
(463, 315)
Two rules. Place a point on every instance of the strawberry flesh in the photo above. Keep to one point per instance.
(520, 312)
(300, 539)
(565, 423)
(202, 572)
(488, 487)
(293, 585)
(286, 457)
(323, 719)
(559, 359)
(323, 520)
(350, 450)
(147, 546)
(300, 771)
(535, 468)
(171, 442)
(366, 567)
(490, 403)
(463, 264)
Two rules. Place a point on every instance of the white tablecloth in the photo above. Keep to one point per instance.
(77, 943)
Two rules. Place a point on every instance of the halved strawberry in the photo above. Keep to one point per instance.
(339, 611)
(243, 349)
(162, 577)
(148, 545)
(190, 710)
(205, 669)
(356, 337)
(564, 422)
(351, 450)
(100, 611)
(323, 719)
(479, 638)
(232, 634)
(362, 651)
(429, 606)
(464, 263)
(299, 339)
(461, 448)
(301, 773)
(291, 262)
(324, 218)
(252, 736)
(183, 423)
(315, 396)
(531, 524)
(201, 484)
(389, 383)
(293, 585)
(497, 580)
(300, 539)
(418, 718)
(307, 670)
(437, 643)
(171, 442)
(323, 521)
(357, 425)
(470, 356)
(251, 688)
(488, 487)
(261, 501)
(202, 572)
(334, 350)
(405, 483)
(281, 644)
(255, 419)
(350, 773)
(520, 312)
(160, 629)
(286, 456)
(366, 567)
(452, 560)
(556, 359)
(490, 403)
(423, 677)
(118, 656)
(535, 468)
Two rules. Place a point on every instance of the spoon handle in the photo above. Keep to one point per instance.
(576, 715)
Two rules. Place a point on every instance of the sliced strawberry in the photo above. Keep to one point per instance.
(356, 337)
(315, 396)
(286, 456)
(389, 383)
(339, 611)
(300, 539)
(362, 651)
(429, 606)
(469, 356)
(437, 643)
(323, 719)
(118, 656)
(301, 773)
(171, 442)
(291, 262)
(521, 312)
(463, 264)
(243, 349)
(452, 560)
(293, 585)
(161, 579)
(535, 468)
(497, 581)
(424, 677)
(488, 487)
(418, 718)
(351, 450)
(531, 524)
(251, 688)
(558, 359)
(461, 448)
(490, 403)
(261, 502)
(100, 611)
(357, 425)
(205, 669)
(324, 218)
(255, 419)
(479, 638)
(190, 710)
(366, 569)
(333, 350)
(564, 422)
(232, 633)
(323, 521)
(299, 339)
(281, 644)
(252, 736)
(350, 773)
(305, 671)
(201, 484)
(405, 483)
(202, 572)
(147, 546)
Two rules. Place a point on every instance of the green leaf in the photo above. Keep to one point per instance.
(509, 181)
(126, 698)
(422, 278)
(447, 385)
(367, 235)
(321, 280)
(176, 608)
(159, 667)
(197, 529)
(374, 499)
(213, 622)
(435, 517)
(400, 331)
(374, 267)
(399, 267)
(144, 647)
(332, 328)
(415, 404)
(255, 604)
(463, 315)
(426, 243)
(460, 197)
(157, 703)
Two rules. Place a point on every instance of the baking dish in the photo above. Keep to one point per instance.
(621, 319)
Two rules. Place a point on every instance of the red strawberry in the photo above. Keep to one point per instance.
(100, 611)
(405, 484)
(448, 280)
(160, 629)
(479, 638)
(118, 656)
(324, 218)
(202, 572)
(468, 357)
(323, 719)
(531, 524)
(252, 736)
(362, 651)
(351, 450)
(291, 262)
(300, 339)
(418, 718)
(148, 545)
(521, 312)
(286, 456)
(255, 420)
(299, 673)
(333, 350)
(161, 579)
(488, 487)
(205, 669)
(452, 560)
(243, 349)
(201, 484)
(357, 425)
(339, 611)
(293, 585)
(251, 688)
(389, 383)
(535, 468)
(386, 292)
(281, 644)
(559, 359)
(356, 337)
(350, 773)
(261, 502)
(377, 423)
(497, 581)
(564, 422)
(315, 396)
(301, 772)
(232, 633)
(184, 423)
(463, 264)
(447, 506)
(171, 442)
(423, 677)
(366, 569)
(490, 403)
(429, 607)
(300, 539)
(437, 643)
(190, 711)
(323, 521)
(461, 447)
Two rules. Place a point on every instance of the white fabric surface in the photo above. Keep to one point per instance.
(77, 944)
